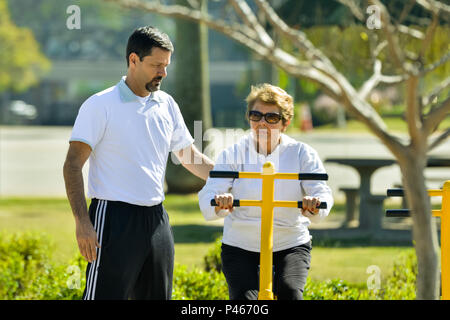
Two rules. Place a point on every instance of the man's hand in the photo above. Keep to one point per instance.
(224, 202)
(309, 208)
(87, 240)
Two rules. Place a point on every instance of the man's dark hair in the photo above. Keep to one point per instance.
(144, 39)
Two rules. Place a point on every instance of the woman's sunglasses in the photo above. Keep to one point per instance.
(270, 117)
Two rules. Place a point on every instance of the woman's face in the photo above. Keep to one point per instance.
(267, 135)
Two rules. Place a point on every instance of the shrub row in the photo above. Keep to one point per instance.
(27, 271)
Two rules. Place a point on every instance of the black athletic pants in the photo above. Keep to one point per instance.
(241, 270)
(136, 257)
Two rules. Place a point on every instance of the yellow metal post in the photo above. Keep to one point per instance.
(444, 214)
(445, 241)
(266, 258)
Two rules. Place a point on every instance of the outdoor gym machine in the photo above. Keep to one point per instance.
(267, 203)
(444, 214)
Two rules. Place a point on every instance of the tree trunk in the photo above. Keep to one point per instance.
(4, 104)
(424, 229)
(192, 94)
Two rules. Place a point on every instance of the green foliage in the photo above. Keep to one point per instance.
(197, 284)
(21, 61)
(401, 284)
(331, 290)
(350, 50)
(212, 260)
(27, 271)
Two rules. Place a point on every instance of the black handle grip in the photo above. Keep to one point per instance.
(224, 174)
(235, 174)
(395, 193)
(236, 203)
(398, 213)
(312, 176)
(322, 205)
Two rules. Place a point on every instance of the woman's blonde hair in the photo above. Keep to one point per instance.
(268, 93)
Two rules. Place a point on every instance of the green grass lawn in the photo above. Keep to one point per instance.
(193, 236)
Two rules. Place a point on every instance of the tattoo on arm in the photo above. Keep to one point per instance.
(73, 178)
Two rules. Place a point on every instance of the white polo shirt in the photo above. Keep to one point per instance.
(130, 138)
(242, 227)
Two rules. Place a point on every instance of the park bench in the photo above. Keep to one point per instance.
(351, 199)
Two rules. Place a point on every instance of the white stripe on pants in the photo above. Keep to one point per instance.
(91, 281)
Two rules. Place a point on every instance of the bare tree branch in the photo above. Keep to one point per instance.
(194, 4)
(429, 35)
(406, 10)
(436, 91)
(392, 39)
(250, 19)
(431, 67)
(359, 14)
(434, 6)
(377, 78)
(380, 46)
(360, 108)
(435, 116)
(298, 38)
(411, 32)
(238, 32)
(441, 138)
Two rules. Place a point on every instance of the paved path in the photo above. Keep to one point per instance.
(31, 160)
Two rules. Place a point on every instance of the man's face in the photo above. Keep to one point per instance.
(152, 69)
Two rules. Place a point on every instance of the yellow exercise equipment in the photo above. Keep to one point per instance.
(444, 214)
(268, 176)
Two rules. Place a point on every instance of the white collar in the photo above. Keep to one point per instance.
(278, 149)
(126, 95)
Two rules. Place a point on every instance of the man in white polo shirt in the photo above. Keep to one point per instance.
(127, 132)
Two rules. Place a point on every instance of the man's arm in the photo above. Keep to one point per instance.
(73, 177)
(195, 161)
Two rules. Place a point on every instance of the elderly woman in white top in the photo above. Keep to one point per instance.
(269, 111)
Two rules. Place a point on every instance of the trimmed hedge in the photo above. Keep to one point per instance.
(27, 271)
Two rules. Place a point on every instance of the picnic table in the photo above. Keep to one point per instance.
(370, 205)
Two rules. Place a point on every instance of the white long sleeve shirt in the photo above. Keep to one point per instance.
(242, 227)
